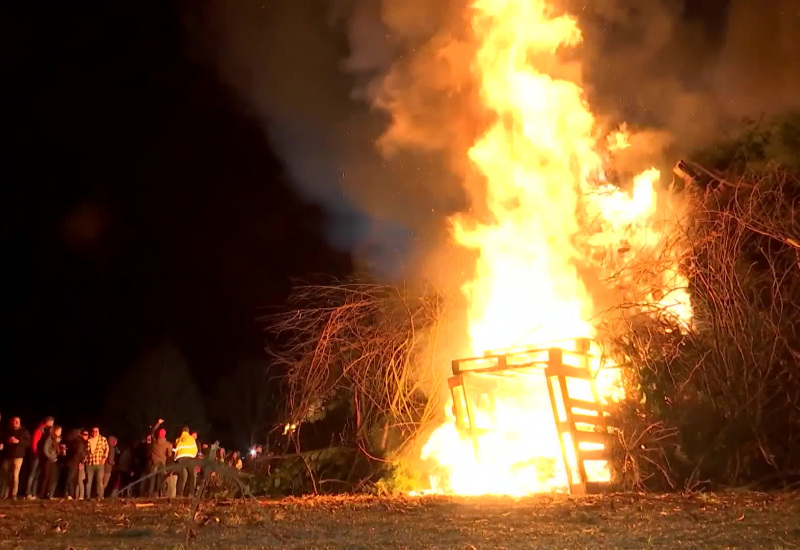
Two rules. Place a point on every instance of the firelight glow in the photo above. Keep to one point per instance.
(543, 161)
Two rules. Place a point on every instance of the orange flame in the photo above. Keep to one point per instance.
(543, 160)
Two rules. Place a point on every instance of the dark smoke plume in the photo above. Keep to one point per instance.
(358, 96)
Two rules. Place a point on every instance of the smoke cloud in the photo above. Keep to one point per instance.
(362, 97)
(689, 69)
(309, 69)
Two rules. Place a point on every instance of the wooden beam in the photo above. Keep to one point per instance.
(569, 372)
(592, 437)
(600, 454)
(586, 405)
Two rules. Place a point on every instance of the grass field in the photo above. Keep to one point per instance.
(730, 520)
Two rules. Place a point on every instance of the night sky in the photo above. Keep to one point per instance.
(145, 208)
(140, 204)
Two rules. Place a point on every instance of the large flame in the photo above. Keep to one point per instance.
(543, 161)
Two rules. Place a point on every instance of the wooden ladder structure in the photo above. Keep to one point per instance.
(580, 423)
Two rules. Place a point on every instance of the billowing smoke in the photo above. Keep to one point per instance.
(308, 69)
(360, 96)
(689, 69)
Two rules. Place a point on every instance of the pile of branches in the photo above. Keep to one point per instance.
(361, 351)
(718, 403)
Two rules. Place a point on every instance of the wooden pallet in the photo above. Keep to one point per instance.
(570, 413)
(578, 422)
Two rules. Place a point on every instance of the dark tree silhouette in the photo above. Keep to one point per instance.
(159, 385)
(245, 404)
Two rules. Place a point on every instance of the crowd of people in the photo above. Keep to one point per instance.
(84, 464)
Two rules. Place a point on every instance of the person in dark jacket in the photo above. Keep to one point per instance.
(36, 463)
(110, 480)
(61, 468)
(124, 468)
(160, 451)
(50, 449)
(141, 455)
(15, 444)
(76, 456)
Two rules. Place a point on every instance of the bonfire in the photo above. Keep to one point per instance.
(553, 215)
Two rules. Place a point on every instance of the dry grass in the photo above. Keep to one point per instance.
(729, 520)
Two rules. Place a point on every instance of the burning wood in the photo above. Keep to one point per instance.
(531, 418)
(554, 217)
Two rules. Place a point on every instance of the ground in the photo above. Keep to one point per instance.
(730, 520)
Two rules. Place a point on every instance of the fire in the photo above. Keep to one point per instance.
(543, 161)
(518, 449)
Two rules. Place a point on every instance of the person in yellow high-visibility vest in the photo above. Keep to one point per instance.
(185, 452)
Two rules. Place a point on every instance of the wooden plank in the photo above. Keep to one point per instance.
(598, 420)
(454, 381)
(593, 455)
(462, 365)
(569, 372)
(527, 358)
(489, 370)
(577, 490)
(592, 437)
(587, 405)
(520, 359)
(493, 363)
(566, 426)
(554, 359)
(471, 417)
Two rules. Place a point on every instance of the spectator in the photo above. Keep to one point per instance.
(254, 458)
(75, 459)
(185, 454)
(125, 468)
(37, 464)
(82, 467)
(160, 451)
(96, 455)
(141, 456)
(108, 468)
(15, 445)
(235, 461)
(202, 448)
(61, 467)
(49, 460)
(172, 478)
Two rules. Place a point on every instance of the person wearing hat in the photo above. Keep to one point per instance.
(160, 451)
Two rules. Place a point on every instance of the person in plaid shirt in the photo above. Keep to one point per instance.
(96, 455)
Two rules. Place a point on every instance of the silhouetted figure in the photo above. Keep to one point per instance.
(185, 452)
(160, 451)
(50, 472)
(15, 444)
(75, 459)
(37, 464)
(109, 480)
(96, 455)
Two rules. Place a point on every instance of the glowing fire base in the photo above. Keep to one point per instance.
(578, 415)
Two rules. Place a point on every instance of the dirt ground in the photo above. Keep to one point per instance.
(730, 520)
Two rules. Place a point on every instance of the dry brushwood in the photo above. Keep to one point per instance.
(729, 386)
(372, 344)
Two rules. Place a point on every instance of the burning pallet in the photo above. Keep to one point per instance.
(578, 413)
